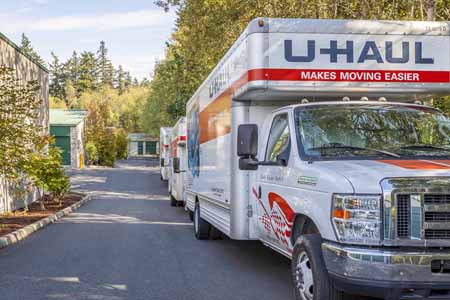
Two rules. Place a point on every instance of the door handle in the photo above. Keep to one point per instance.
(259, 192)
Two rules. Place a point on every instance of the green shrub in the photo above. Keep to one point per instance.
(121, 144)
(91, 153)
(46, 171)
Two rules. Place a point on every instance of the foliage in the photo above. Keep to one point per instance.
(56, 103)
(86, 72)
(45, 168)
(106, 145)
(19, 107)
(91, 153)
(111, 115)
(206, 29)
(25, 47)
(24, 155)
(121, 144)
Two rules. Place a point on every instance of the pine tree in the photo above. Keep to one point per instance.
(104, 68)
(128, 80)
(27, 48)
(87, 78)
(72, 68)
(57, 78)
(120, 80)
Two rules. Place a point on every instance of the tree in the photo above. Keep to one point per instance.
(72, 67)
(87, 78)
(120, 80)
(104, 68)
(27, 49)
(431, 10)
(57, 78)
(19, 108)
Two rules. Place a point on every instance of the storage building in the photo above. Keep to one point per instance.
(67, 126)
(141, 145)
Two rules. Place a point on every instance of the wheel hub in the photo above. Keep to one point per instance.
(304, 281)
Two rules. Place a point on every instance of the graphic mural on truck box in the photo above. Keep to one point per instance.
(193, 131)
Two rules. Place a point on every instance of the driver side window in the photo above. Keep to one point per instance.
(279, 144)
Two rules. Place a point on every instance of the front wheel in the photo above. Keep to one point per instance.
(309, 273)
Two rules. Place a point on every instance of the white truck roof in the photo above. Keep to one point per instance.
(288, 59)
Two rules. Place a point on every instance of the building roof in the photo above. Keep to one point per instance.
(135, 137)
(14, 45)
(67, 117)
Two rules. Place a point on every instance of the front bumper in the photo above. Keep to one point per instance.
(386, 273)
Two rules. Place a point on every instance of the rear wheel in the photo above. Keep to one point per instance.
(309, 272)
(201, 227)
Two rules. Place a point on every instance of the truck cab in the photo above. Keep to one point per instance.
(371, 179)
(177, 163)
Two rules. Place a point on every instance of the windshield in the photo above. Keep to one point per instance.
(372, 131)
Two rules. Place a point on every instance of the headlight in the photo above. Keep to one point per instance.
(357, 218)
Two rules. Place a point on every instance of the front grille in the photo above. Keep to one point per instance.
(437, 216)
(437, 234)
(403, 216)
(428, 218)
(436, 199)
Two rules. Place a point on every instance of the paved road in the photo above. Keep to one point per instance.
(128, 243)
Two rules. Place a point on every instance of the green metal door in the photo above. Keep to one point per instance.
(63, 143)
(140, 148)
(150, 148)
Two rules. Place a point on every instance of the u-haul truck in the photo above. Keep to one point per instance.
(164, 148)
(177, 163)
(308, 137)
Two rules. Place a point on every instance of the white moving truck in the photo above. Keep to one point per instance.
(308, 137)
(164, 151)
(177, 163)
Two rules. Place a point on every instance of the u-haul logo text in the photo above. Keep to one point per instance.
(369, 52)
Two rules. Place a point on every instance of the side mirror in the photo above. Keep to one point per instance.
(247, 147)
(247, 143)
(163, 163)
(176, 165)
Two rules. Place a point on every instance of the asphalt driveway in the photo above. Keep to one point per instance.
(128, 243)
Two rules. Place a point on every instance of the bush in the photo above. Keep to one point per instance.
(106, 146)
(121, 144)
(91, 153)
(47, 172)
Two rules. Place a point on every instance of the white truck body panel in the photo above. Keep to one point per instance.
(177, 181)
(272, 65)
(164, 150)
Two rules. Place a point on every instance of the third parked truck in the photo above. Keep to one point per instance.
(310, 136)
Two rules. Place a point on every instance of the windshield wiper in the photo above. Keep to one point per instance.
(424, 146)
(342, 146)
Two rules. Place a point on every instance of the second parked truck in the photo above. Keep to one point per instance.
(308, 136)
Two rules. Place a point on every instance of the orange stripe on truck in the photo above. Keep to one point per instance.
(417, 164)
(215, 119)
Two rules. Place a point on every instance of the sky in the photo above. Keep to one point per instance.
(135, 31)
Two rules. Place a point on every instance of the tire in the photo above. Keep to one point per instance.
(191, 216)
(214, 233)
(201, 227)
(173, 201)
(307, 260)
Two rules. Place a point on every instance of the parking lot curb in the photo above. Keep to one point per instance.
(18, 235)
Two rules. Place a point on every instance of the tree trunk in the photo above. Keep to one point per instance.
(431, 10)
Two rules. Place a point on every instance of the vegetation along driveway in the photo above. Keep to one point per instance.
(128, 243)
